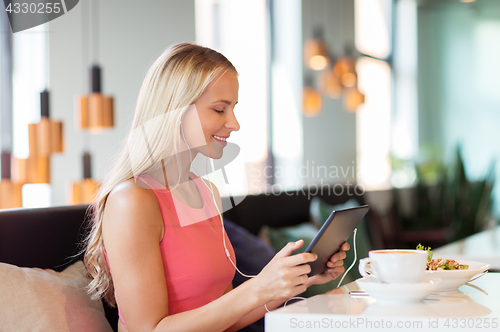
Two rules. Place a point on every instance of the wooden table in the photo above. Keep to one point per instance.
(470, 308)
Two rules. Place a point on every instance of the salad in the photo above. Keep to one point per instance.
(441, 263)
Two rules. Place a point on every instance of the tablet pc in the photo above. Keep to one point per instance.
(334, 232)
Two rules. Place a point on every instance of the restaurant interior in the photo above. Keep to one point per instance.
(342, 103)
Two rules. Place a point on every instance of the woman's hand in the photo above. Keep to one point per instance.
(285, 276)
(334, 269)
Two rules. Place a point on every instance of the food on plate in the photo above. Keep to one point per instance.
(441, 263)
(445, 264)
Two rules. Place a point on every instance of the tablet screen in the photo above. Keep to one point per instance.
(334, 232)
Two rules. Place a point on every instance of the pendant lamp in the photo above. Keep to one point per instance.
(45, 138)
(10, 190)
(352, 99)
(330, 84)
(95, 110)
(311, 99)
(315, 52)
(33, 169)
(84, 191)
(344, 68)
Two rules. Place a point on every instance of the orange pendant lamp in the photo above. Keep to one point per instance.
(315, 51)
(45, 138)
(344, 68)
(352, 99)
(33, 169)
(10, 190)
(83, 192)
(311, 99)
(331, 84)
(95, 111)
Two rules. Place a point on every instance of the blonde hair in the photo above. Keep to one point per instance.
(175, 80)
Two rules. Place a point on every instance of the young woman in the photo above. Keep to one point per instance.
(157, 247)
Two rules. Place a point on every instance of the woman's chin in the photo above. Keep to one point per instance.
(213, 153)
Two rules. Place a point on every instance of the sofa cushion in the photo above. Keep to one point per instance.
(32, 299)
(251, 253)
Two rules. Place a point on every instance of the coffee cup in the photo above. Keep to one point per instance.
(395, 265)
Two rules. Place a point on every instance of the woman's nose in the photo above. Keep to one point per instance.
(232, 123)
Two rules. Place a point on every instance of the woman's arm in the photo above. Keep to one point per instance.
(253, 316)
(335, 269)
(132, 228)
(228, 311)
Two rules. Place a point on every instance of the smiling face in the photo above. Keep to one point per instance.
(207, 126)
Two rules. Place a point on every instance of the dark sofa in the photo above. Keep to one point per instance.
(50, 237)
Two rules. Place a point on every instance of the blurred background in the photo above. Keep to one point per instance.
(397, 97)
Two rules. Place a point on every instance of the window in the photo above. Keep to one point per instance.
(373, 121)
(30, 77)
(5, 86)
(388, 122)
(237, 29)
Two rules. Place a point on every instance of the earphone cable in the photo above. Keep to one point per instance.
(354, 261)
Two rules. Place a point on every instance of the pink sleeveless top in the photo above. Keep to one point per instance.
(196, 267)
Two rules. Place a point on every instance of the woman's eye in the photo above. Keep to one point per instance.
(219, 111)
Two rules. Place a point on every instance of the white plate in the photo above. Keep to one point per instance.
(452, 279)
(398, 293)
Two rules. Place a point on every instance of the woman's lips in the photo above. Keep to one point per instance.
(220, 139)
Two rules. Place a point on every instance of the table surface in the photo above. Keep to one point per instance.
(474, 306)
(480, 247)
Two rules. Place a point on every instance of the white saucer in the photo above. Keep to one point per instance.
(398, 293)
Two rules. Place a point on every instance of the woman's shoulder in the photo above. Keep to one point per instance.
(129, 205)
(130, 192)
(130, 199)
